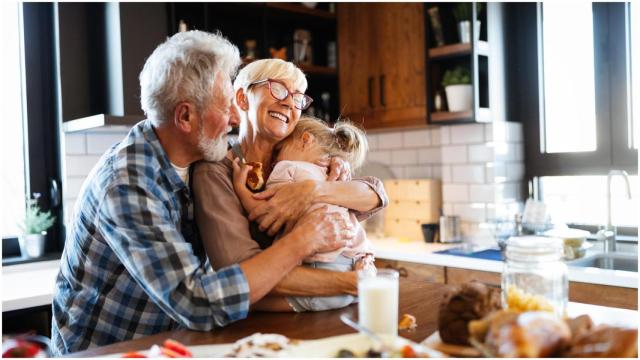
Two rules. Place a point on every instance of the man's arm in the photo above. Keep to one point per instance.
(224, 229)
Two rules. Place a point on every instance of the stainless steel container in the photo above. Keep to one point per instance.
(450, 229)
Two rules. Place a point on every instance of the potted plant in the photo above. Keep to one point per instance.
(462, 14)
(34, 228)
(457, 85)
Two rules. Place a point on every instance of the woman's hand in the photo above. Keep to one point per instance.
(324, 231)
(240, 173)
(285, 203)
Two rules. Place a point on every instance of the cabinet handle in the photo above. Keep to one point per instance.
(382, 77)
(370, 87)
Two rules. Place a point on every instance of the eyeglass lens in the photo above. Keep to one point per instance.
(280, 92)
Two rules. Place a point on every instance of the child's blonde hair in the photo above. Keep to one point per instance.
(344, 139)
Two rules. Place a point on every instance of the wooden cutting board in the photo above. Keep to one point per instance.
(412, 202)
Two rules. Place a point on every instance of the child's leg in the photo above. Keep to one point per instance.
(273, 304)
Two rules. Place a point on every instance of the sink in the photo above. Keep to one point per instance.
(615, 261)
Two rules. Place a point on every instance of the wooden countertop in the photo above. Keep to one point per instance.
(419, 299)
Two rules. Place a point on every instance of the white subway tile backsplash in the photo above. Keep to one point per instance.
(404, 157)
(467, 134)
(468, 174)
(418, 172)
(454, 154)
(519, 152)
(481, 153)
(383, 156)
(98, 143)
(75, 143)
(452, 193)
(496, 173)
(80, 165)
(417, 138)
(440, 136)
(398, 171)
(502, 151)
(447, 209)
(445, 171)
(72, 186)
(470, 212)
(482, 193)
(390, 140)
(372, 140)
(515, 171)
(514, 131)
(429, 156)
(436, 172)
(488, 132)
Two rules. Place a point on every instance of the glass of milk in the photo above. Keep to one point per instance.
(378, 301)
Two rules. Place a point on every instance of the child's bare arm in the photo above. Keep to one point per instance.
(240, 172)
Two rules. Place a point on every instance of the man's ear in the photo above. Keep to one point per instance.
(184, 117)
(242, 100)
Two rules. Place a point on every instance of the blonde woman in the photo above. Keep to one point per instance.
(270, 97)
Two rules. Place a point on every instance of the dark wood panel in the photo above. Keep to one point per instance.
(604, 295)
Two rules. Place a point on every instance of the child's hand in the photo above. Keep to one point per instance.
(366, 262)
(240, 172)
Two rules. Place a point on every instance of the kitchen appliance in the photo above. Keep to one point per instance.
(450, 229)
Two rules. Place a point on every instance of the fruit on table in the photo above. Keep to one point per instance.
(22, 349)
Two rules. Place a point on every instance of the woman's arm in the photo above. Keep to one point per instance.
(224, 230)
(288, 202)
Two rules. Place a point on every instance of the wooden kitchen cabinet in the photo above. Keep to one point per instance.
(595, 294)
(414, 271)
(381, 54)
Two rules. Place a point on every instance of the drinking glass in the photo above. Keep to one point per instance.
(378, 301)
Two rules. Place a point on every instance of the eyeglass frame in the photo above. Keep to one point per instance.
(289, 92)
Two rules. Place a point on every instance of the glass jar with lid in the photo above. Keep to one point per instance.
(534, 276)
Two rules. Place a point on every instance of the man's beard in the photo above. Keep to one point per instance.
(213, 150)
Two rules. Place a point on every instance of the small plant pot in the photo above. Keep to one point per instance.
(32, 245)
(458, 97)
(464, 31)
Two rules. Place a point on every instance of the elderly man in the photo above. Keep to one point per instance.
(133, 262)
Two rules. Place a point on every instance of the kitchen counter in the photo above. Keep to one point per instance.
(423, 253)
(28, 285)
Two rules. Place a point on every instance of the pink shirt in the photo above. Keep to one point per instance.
(293, 171)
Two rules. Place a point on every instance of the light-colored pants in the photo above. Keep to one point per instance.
(321, 303)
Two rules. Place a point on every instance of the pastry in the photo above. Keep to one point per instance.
(507, 333)
(605, 341)
(471, 301)
(255, 180)
(408, 322)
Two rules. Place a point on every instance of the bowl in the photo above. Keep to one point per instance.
(575, 245)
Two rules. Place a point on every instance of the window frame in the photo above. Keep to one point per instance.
(612, 102)
(41, 118)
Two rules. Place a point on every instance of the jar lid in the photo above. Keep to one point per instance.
(534, 248)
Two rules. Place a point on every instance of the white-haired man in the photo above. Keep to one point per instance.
(133, 263)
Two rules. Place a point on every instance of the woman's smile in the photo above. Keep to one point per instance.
(279, 116)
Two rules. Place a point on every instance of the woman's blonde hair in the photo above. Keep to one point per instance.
(344, 139)
(270, 69)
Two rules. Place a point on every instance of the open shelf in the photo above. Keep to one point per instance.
(300, 9)
(318, 70)
(483, 115)
(458, 49)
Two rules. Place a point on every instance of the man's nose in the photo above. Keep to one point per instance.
(234, 115)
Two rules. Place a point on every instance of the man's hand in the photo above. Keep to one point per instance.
(323, 231)
(339, 170)
(285, 203)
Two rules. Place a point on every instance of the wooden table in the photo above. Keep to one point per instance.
(419, 299)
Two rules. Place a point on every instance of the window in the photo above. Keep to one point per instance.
(12, 180)
(31, 118)
(576, 100)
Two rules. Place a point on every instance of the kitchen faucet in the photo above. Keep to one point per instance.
(608, 234)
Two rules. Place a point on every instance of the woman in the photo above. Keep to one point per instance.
(270, 97)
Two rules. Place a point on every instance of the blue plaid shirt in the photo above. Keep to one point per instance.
(133, 264)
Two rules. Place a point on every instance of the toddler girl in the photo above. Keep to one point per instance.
(311, 143)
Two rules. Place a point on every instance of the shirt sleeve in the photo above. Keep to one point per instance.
(139, 228)
(222, 221)
(378, 187)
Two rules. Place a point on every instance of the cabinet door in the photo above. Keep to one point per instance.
(355, 57)
(400, 51)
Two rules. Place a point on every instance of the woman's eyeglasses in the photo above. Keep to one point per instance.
(280, 92)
